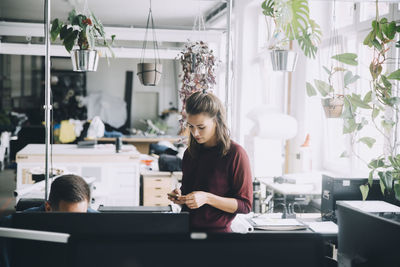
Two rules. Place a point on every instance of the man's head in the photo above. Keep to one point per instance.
(68, 193)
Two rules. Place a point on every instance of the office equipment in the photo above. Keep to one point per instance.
(366, 237)
(24, 247)
(282, 249)
(117, 174)
(87, 143)
(107, 223)
(336, 188)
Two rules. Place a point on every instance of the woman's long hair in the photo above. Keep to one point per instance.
(208, 103)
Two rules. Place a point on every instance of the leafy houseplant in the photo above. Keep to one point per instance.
(332, 100)
(382, 98)
(292, 22)
(83, 31)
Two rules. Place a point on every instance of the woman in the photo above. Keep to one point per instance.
(217, 181)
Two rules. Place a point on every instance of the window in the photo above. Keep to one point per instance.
(344, 14)
(368, 10)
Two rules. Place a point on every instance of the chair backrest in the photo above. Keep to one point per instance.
(26, 203)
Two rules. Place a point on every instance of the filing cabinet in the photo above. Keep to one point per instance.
(156, 185)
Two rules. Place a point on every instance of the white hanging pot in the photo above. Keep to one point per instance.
(149, 73)
(333, 107)
(84, 60)
(283, 60)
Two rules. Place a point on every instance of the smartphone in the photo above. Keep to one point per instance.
(173, 195)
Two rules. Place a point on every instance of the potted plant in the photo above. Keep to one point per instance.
(292, 22)
(198, 65)
(333, 100)
(380, 107)
(83, 31)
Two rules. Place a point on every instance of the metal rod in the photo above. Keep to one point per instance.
(47, 106)
(228, 64)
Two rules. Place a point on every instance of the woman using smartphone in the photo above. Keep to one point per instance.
(217, 181)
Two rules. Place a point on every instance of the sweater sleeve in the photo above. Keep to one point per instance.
(242, 181)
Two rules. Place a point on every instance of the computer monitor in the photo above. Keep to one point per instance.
(365, 239)
(20, 248)
(109, 223)
(282, 249)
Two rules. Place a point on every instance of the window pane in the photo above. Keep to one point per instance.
(344, 14)
(368, 10)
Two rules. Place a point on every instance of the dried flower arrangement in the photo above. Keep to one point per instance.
(198, 66)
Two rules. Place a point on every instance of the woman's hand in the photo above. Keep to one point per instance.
(196, 199)
(176, 197)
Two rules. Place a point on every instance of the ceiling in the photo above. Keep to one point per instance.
(171, 14)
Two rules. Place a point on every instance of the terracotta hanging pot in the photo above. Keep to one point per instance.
(333, 107)
(283, 60)
(149, 73)
(84, 60)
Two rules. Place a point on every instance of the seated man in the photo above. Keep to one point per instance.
(68, 193)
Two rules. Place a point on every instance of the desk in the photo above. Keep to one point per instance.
(142, 143)
(286, 189)
(117, 174)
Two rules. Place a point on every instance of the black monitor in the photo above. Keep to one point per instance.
(367, 239)
(282, 249)
(109, 223)
(336, 188)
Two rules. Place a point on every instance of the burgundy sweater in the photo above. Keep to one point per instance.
(226, 176)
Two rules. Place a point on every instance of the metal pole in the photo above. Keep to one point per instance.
(228, 64)
(47, 106)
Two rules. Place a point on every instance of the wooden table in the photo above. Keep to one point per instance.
(142, 143)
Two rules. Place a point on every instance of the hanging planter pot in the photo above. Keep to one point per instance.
(333, 107)
(283, 60)
(84, 60)
(149, 73)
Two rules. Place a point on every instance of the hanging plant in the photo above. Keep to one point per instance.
(83, 31)
(198, 66)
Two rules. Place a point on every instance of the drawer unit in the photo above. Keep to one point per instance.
(156, 185)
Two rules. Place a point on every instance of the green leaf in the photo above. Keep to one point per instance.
(369, 38)
(394, 75)
(347, 58)
(369, 141)
(55, 29)
(347, 111)
(375, 70)
(388, 180)
(376, 44)
(310, 90)
(375, 113)
(364, 191)
(344, 154)
(397, 190)
(368, 97)
(389, 30)
(349, 126)
(356, 101)
(385, 82)
(377, 163)
(387, 124)
(349, 78)
(394, 100)
(382, 185)
(323, 87)
(327, 70)
(268, 6)
(371, 177)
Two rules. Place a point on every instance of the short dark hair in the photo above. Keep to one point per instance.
(69, 188)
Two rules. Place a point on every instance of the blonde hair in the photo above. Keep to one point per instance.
(209, 104)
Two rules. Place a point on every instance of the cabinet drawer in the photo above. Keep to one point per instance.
(156, 202)
(157, 182)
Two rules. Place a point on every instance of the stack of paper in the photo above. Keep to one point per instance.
(276, 224)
